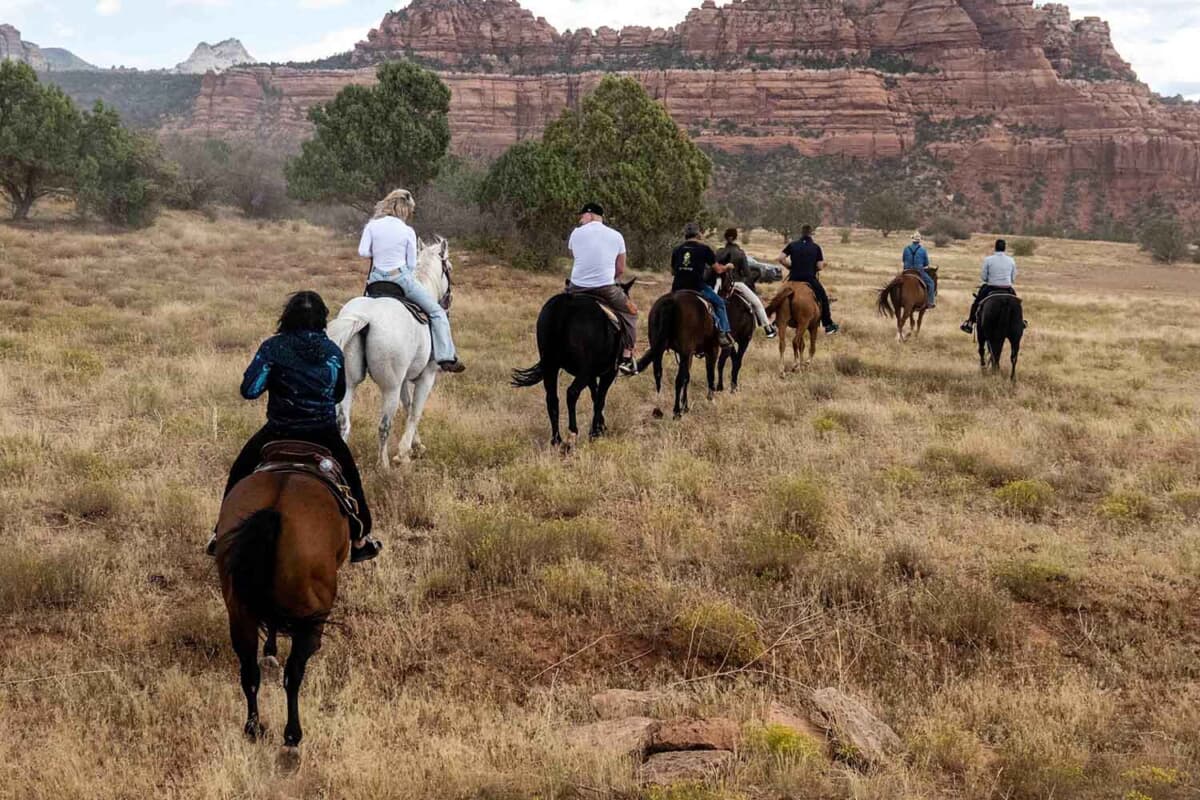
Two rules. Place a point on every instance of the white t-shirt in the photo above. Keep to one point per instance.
(595, 247)
(390, 244)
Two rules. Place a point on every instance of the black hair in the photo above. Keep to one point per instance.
(305, 311)
(692, 230)
(806, 231)
(731, 235)
(1001, 245)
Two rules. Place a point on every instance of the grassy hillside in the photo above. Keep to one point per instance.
(144, 99)
(1008, 576)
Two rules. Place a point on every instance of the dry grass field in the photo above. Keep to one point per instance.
(1009, 577)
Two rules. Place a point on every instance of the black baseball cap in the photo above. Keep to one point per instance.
(592, 208)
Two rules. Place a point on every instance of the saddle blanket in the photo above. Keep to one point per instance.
(306, 458)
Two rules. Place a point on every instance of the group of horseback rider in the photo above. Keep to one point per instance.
(304, 372)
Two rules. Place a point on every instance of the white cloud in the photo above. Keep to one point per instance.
(199, 3)
(331, 43)
(106, 8)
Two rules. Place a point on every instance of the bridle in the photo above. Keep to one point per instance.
(447, 299)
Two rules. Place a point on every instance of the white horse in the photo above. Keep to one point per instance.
(381, 338)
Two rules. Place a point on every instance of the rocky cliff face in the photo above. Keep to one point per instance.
(12, 48)
(1027, 114)
(214, 58)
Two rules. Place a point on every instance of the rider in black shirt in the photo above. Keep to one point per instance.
(804, 259)
(691, 263)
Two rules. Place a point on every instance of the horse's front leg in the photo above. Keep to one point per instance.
(599, 399)
(710, 368)
(920, 321)
(421, 389)
(681, 385)
(725, 356)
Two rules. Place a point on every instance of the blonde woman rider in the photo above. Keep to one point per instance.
(391, 244)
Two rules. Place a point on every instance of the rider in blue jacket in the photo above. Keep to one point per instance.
(916, 258)
(304, 374)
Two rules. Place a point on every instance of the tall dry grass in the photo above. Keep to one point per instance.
(1008, 574)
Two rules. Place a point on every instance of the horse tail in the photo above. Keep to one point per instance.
(343, 330)
(248, 553)
(663, 322)
(781, 299)
(889, 301)
(523, 378)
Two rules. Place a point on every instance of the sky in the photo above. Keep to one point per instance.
(1161, 38)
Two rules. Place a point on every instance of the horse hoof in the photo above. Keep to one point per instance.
(254, 730)
(289, 758)
(419, 450)
(269, 664)
(657, 413)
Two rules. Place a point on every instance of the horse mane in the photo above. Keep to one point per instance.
(429, 264)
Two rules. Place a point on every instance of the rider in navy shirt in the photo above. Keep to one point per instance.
(804, 259)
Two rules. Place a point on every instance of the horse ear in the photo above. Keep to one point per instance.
(444, 244)
(420, 243)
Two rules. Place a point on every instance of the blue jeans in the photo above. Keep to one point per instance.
(439, 323)
(931, 286)
(718, 304)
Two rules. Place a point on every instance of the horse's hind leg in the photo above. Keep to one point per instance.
(658, 381)
(304, 644)
(1016, 351)
(738, 356)
(920, 321)
(387, 417)
(270, 653)
(599, 400)
(550, 383)
(243, 632)
(573, 391)
(421, 389)
(725, 355)
(710, 370)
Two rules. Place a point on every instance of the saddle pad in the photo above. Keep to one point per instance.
(306, 458)
(996, 293)
(393, 292)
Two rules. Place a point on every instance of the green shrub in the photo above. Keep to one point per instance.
(950, 228)
(785, 743)
(716, 630)
(1127, 507)
(1026, 498)
(773, 554)
(573, 585)
(1024, 248)
(798, 507)
(941, 240)
(1038, 581)
(1164, 239)
(499, 547)
(844, 235)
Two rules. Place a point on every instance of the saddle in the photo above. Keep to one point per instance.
(608, 310)
(394, 292)
(304, 458)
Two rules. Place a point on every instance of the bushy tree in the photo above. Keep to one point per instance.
(1164, 238)
(887, 213)
(634, 160)
(371, 140)
(39, 138)
(535, 187)
(120, 175)
(786, 214)
(202, 171)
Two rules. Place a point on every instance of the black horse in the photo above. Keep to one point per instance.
(742, 325)
(1000, 317)
(576, 335)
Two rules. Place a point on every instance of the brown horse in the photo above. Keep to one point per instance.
(795, 306)
(281, 540)
(682, 322)
(741, 327)
(907, 299)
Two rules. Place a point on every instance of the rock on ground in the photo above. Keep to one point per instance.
(861, 737)
(631, 736)
(665, 769)
(696, 734)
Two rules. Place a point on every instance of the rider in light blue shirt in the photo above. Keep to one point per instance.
(916, 258)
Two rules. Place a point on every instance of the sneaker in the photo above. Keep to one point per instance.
(771, 331)
(627, 367)
(832, 329)
(452, 366)
(368, 551)
(967, 327)
(211, 548)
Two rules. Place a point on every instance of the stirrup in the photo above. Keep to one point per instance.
(368, 551)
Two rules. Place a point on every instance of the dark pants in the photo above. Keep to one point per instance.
(822, 299)
(983, 292)
(329, 438)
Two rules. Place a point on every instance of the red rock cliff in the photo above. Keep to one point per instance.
(1031, 113)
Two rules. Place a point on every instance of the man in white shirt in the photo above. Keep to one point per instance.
(999, 274)
(599, 253)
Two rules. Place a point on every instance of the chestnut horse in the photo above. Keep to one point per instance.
(681, 321)
(281, 540)
(907, 299)
(795, 306)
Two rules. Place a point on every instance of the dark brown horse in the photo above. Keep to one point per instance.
(741, 328)
(682, 322)
(281, 540)
(796, 307)
(907, 299)
(1001, 317)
